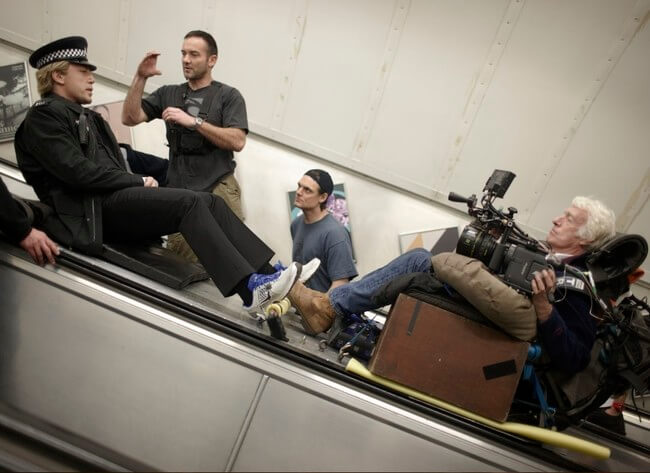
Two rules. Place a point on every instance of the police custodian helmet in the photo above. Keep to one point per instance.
(73, 49)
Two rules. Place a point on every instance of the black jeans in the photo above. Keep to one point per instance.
(228, 249)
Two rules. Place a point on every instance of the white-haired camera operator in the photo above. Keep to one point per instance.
(566, 328)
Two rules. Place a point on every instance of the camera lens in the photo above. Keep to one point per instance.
(476, 244)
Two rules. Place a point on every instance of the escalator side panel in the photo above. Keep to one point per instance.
(341, 439)
(175, 395)
(139, 391)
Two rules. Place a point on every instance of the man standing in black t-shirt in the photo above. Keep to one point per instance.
(70, 157)
(206, 122)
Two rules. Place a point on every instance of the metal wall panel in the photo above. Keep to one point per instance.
(527, 115)
(313, 434)
(259, 65)
(332, 88)
(178, 396)
(440, 54)
(26, 25)
(610, 150)
(160, 26)
(95, 19)
(110, 378)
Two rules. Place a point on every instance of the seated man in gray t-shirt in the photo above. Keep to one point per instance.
(317, 234)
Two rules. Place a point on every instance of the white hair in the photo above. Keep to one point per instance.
(601, 222)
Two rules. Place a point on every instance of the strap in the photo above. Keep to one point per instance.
(573, 283)
(637, 381)
(180, 94)
(547, 411)
(83, 128)
(207, 103)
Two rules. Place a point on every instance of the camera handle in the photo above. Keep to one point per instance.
(470, 201)
(555, 263)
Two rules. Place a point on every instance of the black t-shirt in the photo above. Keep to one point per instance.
(194, 162)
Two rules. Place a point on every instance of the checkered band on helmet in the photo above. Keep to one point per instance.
(69, 54)
(72, 49)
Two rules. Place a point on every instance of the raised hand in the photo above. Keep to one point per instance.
(148, 66)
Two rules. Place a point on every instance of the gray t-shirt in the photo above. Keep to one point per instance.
(194, 162)
(329, 241)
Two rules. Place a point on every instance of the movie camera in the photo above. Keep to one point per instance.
(495, 239)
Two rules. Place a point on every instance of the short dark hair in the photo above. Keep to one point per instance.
(324, 181)
(207, 37)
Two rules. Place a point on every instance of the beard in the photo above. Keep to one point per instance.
(195, 73)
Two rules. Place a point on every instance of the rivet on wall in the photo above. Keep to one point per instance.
(395, 30)
(47, 22)
(123, 36)
(209, 14)
(300, 18)
(479, 91)
(637, 201)
(604, 70)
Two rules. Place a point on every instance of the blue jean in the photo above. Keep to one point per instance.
(356, 297)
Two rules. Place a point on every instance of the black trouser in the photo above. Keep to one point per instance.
(228, 249)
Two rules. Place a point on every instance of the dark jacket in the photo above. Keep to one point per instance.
(56, 151)
(146, 164)
(13, 220)
(569, 334)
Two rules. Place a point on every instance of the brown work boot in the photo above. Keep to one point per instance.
(315, 309)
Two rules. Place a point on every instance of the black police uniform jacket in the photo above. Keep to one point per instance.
(57, 152)
(13, 221)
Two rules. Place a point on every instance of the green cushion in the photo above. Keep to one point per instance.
(513, 312)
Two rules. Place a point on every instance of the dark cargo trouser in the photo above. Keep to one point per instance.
(228, 249)
(228, 189)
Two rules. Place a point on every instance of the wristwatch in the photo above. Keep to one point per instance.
(198, 121)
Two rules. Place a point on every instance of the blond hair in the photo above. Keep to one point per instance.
(44, 81)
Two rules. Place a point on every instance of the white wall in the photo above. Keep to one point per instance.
(426, 95)
(423, 95)
(268, 170)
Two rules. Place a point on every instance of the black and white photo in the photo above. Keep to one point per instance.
(14, 98)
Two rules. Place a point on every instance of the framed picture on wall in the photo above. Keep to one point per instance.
(437, 240)
(337, 205)
(112, 113)
(14, 98)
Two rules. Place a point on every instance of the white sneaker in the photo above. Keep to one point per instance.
(308, 270)
(272, 289)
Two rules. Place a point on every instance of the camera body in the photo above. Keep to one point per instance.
(495, 239)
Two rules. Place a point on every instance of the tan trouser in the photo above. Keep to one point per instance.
(228, 189)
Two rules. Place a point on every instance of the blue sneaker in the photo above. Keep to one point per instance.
(269, 288)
